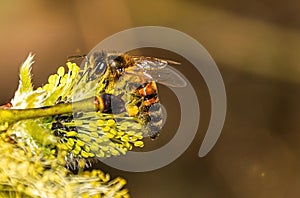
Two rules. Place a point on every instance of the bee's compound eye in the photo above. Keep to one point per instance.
(100, 64)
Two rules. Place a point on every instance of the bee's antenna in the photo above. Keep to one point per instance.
(173, 62)
(75, 57)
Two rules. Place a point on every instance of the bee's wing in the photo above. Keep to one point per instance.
(167, 76)
(152, 63)
(94, 67)
(159, 70)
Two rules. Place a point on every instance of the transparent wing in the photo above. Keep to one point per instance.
(152, 63)
(93, 67)
(167, 76)
(159, 70)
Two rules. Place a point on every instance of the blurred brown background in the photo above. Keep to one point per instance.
(256, 46)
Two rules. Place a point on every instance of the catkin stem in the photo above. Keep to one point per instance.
(14, 115)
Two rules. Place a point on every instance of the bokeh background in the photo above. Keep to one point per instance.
(254, 43)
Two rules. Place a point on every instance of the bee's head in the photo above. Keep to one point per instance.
(117, 63)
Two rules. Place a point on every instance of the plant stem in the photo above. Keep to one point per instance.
(14, 115)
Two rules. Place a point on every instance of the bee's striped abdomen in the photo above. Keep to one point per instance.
(150, 109)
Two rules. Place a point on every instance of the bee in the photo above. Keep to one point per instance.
(133, 79)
